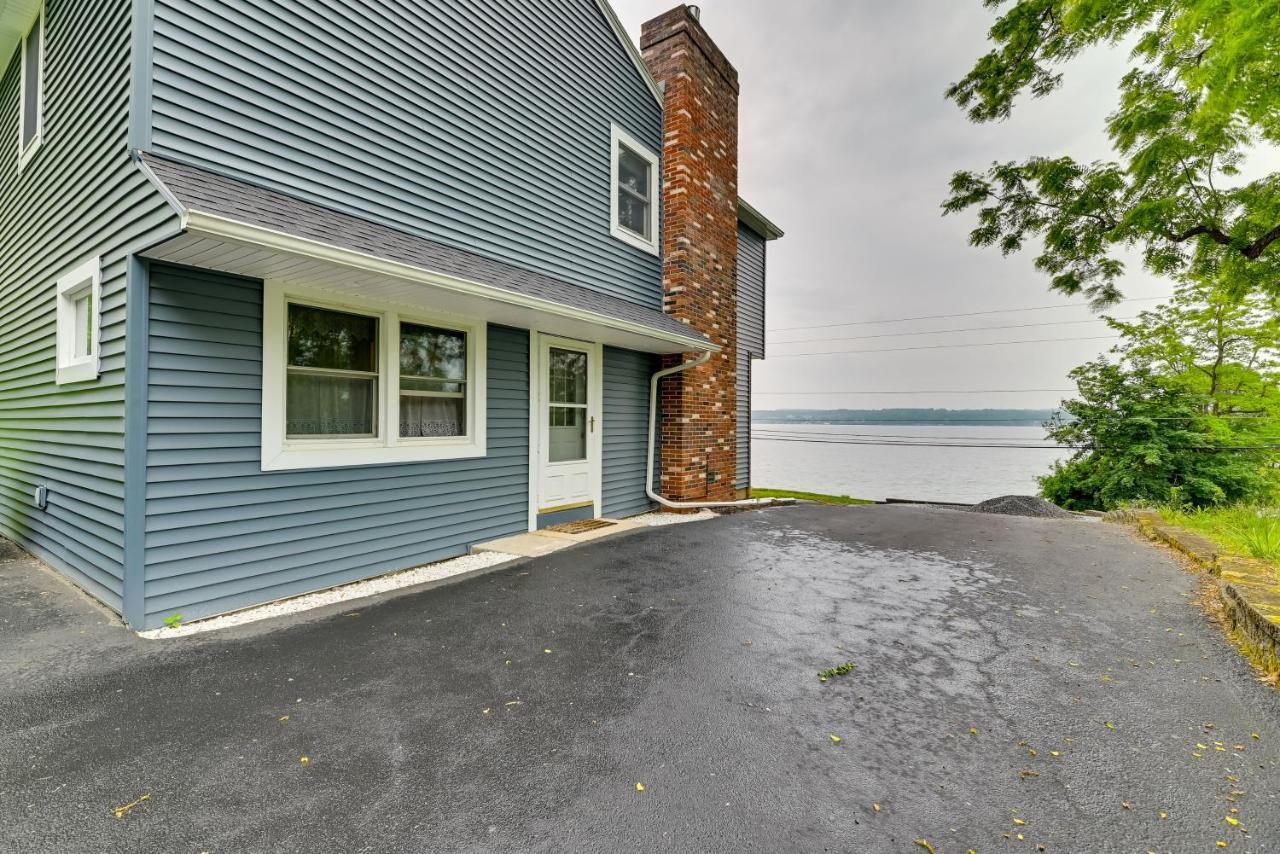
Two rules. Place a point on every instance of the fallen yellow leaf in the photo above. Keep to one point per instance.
(639, 787)
(973, 730)
(1221, 844)
(1110, 725)
(283, 718)
(1163, 814)
(306, 760)
(121, 812)
(1232, 820)
(1019, 822)
(1255, 735)
(876, 807)
(1055, 753)
(835, 739)
(924, 843)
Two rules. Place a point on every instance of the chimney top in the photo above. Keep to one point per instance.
(684, 21)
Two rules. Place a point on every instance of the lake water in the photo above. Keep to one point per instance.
(908, 466)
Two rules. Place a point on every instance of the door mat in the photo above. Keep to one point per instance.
(579, 527)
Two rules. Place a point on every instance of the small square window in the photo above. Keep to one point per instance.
(79, 312)
(31, 112)
(634, 204)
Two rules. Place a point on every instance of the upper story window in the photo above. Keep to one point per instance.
(367, 383)
(635, 186)
(31, 109)
(78, 323)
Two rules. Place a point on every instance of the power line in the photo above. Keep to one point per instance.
(1207, 448)
(945, 316)
(944, 346)
(933, 391)
(945, 331)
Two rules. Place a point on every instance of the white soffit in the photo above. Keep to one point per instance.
(206, 250)
(16, 17)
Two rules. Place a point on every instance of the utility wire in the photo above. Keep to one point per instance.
(944, 346)
(945, 331)
(945, 316)
(1207, 448)
(934, 391)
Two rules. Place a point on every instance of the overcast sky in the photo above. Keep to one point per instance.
(847, 144)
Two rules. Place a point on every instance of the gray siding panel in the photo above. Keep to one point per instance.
(751, 266)
(744, 420)
(626, 430)
(482, 124)
(77, 198)
(222, 534)
(751, 286)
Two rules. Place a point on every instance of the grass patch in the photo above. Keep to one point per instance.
(807, 496)
(1248, 531)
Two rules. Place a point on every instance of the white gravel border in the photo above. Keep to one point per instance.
(334, 595)
(656, 520)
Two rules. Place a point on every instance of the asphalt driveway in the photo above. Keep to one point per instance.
(1048, 679)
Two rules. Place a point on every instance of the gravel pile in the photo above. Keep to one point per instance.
(1021, 505)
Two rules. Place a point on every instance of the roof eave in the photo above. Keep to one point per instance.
(757, 222)
(16, 17)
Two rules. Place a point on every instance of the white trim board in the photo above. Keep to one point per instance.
(213, 229)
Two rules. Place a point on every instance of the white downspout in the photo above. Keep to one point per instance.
(653, 427)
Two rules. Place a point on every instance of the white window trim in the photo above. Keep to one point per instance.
(280, 453)
(85, 279)
(25, 154)
(617, 138)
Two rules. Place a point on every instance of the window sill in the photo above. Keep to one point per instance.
(333, 455)
(634, 240)
(77, 372)
(26, 155)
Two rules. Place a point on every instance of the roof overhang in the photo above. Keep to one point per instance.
(212, 240)
(15, 19)
(757, 222)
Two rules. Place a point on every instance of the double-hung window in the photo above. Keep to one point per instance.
(356, 382)
(31, 105)
(635, 183)
(79, 309)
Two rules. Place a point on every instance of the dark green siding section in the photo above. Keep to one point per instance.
(626, 430)
(79, 197)
(484, 124)
(221, 534)
(751, 284)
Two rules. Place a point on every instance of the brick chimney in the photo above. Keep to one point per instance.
(699, 251)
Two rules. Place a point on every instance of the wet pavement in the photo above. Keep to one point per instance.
(1053, 673)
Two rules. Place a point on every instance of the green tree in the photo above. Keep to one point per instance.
(1222, 346)
(1203, 92)
(1185, 409)
(1142, 437)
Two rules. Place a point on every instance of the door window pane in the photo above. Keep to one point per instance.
(568, 434)
(433, 387)
(332, 374)
(568, 376)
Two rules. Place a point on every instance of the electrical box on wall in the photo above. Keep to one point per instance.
(40, 497)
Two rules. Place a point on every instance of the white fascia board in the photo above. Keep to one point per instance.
(231, 229)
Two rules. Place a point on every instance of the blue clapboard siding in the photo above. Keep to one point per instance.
(484, 124)
(751, 284)
(751, 275)
(744, 420)
(222, 534)
(77, 198)
(626, 430)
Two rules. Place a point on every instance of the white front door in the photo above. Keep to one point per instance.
(569, 429)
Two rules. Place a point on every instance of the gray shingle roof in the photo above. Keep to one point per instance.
(202, 191)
